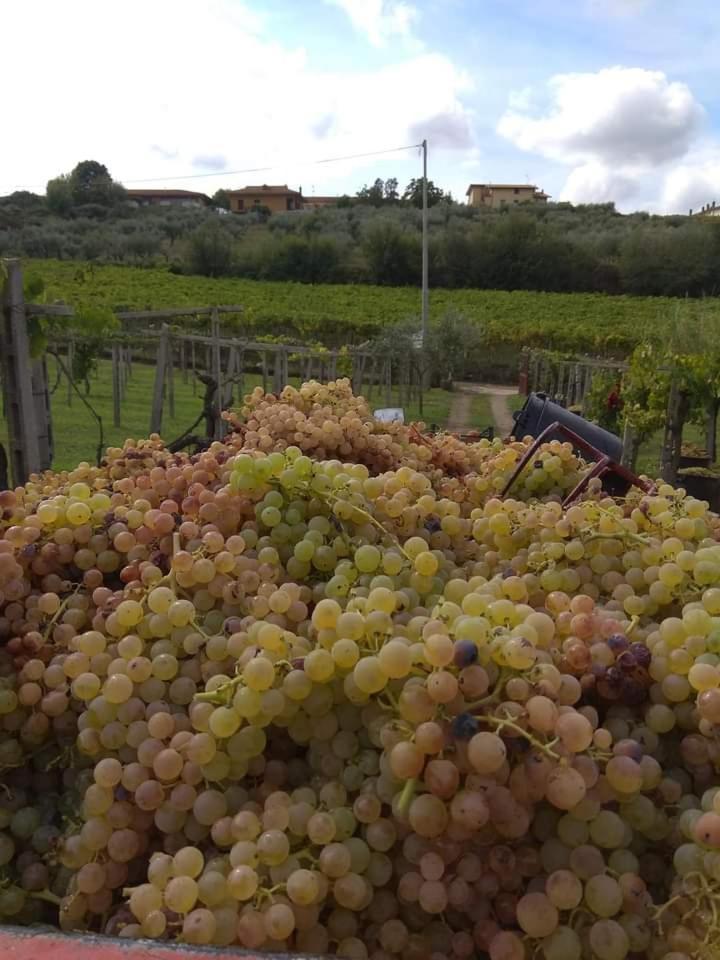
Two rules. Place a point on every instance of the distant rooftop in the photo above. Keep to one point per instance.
(501, 186)
(269, 190)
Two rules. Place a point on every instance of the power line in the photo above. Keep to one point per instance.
(233, 173)
(306, 163)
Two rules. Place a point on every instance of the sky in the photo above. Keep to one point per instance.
(591, 100)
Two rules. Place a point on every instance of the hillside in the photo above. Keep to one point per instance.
(336, 314)
(553, 248)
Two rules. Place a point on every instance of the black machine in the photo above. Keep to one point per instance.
(545, 420)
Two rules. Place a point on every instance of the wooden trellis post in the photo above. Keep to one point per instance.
(115, 361)
(122, 371)
(587, 385)
(171, 377)
(230, 372)
(240, 360)
(183, 360)
(158, 388)
(27, 405)
(279, 378)
(358, 372)
(265, 371)
(217, 372)
(70, 360)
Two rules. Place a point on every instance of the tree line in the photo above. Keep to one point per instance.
(373, 237)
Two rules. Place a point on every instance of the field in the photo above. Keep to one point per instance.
(345, 314)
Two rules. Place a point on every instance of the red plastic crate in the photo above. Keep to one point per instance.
(24, 943)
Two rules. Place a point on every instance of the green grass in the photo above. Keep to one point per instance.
(481, 413)
(515, 401)
(651, 450)
(76, 430)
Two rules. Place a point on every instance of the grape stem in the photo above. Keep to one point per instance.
(491, 697)
(620, 535)
(392, 699)
(59, 612)
(196, 626)
(45, 895)
(406, 797)
(376, 523)
(504, 723)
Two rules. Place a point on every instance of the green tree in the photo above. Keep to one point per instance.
(59, 195)
(211, 251)
(414, 193)
(373, 195)
(390, 190)
(90, 182)
(393, 254)
(221, 198)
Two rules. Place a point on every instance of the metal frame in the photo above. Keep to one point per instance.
(603, 463)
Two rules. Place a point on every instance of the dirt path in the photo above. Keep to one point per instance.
(459, 416)
(460, 410)
(501, 414)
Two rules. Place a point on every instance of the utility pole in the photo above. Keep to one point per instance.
(425, 295)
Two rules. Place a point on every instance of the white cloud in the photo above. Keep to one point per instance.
(619, 128)
(213, 161)
(694, 182)
(379, 20)
(448, 130)
(207, 81)
(597, 183)
(619, 115)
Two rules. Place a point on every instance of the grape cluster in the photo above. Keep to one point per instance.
(328, 420)
(360, 706)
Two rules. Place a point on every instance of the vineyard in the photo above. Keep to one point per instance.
(339, 314)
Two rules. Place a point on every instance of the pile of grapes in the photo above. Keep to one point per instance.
(360, 707)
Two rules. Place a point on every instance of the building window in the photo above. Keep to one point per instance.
(240, 203)
(516, 190)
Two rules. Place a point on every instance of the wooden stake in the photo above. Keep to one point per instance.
(171, 377)
(278, 371)
(183, 360)
(115, 361)
(158, 388)
(24, 446)
(70, 358)
(217, 372)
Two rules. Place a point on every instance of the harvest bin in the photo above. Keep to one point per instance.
(540, 412)
(26, 943)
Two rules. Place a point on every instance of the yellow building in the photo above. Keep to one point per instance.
(709, 210)
(497, 195)
(278, 199)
